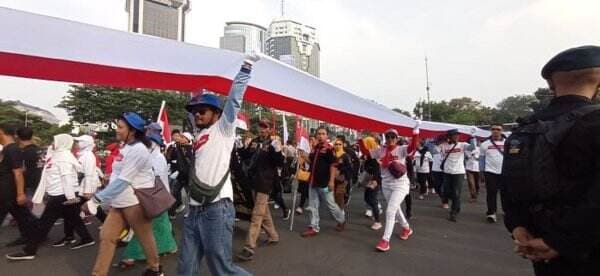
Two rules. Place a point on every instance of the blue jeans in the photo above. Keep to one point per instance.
(315, 196)
(207, 232)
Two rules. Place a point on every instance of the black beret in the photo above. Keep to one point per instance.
(572, 59)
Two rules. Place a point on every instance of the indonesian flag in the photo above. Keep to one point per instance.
(163, 121)
(302, 136)
(49, 48)
(242, 121)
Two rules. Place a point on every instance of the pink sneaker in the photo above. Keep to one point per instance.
(383, 245)
(406, 232)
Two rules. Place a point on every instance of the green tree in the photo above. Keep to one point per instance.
(459, 111)
(93, 104)
(42, 129)
(513, 107)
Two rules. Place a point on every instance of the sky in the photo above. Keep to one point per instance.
(483, 49)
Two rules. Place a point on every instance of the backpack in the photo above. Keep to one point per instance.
(529, 169)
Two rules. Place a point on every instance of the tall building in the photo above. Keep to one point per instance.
(162, 18)
(243, 37)
(295, 44)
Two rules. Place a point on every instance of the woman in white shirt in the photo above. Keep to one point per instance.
(161, 226)
(472, 168)
(422, 162)
(131, 169)
(394, 189)
(59, 183)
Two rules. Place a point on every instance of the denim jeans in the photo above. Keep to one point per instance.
(208, 232)
(316, 195)
(453, 184)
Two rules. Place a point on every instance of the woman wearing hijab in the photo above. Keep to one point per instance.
(132, 169)
(59, 182)
(344, 169)
(89, 183)
(161, 226)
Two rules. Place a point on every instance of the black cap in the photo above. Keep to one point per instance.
(452, 132)
(572, 59)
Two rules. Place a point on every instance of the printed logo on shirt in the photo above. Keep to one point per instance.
(455, 150)
(492, 147)
(201, 141)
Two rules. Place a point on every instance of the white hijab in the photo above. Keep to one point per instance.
(63, 143)
(86, 143)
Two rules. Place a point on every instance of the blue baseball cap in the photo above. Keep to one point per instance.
(134, 120)
(204, 99)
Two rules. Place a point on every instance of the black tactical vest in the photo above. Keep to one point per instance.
(529, 169)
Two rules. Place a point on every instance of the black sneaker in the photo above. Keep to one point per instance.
(64, 241)
(21, 256)
(247, 254)
(150, 272)
(83, 244)
(17, 242)
(452, 217)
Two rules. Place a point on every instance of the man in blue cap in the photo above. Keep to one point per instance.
(551, 171)
(208, 228)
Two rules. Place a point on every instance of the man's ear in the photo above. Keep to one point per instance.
(551, 84)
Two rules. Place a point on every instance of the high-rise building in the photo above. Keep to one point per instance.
(162, 18)
(295, 44)
(243, 37)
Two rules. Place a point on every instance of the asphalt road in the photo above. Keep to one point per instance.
(438, 247)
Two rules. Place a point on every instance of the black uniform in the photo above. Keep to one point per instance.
(570, 222)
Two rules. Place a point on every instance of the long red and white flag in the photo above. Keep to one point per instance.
(48, 48)
(163, 121)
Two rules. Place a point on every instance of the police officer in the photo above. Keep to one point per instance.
(554, 218)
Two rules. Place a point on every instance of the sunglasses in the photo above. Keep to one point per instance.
(390, 136)
(200, 110)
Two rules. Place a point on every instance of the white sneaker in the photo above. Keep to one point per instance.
(492, 218)
(376, 226)
(369, 213)
(421, 197)
(276, 206)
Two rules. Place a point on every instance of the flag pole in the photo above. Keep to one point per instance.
(162, 108)
(295, 191)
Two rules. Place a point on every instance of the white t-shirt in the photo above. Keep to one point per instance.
(437, 159)
(134, 165)
(91, 180)
(473, 160)
(160, 167)
(212, 153)
(61, 179)
(423, 168)
(493, 157)
(387, 179)
(455, 163)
